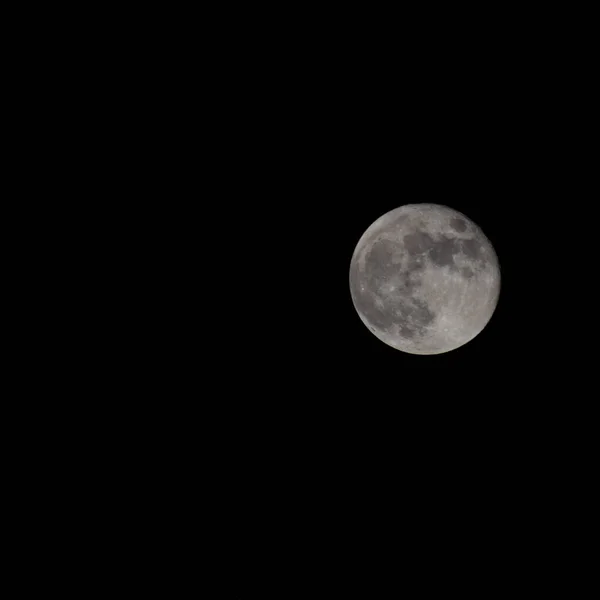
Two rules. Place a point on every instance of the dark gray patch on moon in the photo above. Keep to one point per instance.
(421, 313)
(378, 263)
(365, 299)
(418, 242)
(442, 253)
(410, 278)
(376, 315)
(458, 225)
(414, 316)
(415, 264)
(406, 285)
(407, 331)
(470, 248)
(379, 256)
(466, 272)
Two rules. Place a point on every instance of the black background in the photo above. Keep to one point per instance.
(329, 446)
(320, 134)
(223, 176)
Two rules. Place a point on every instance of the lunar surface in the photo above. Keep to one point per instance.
(424, 279)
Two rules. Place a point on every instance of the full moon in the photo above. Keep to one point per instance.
(424, 279)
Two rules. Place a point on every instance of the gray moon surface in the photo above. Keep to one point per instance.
(424, 279)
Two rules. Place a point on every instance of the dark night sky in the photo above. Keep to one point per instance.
(321, 146)
(317, 406)
(320, 420)
(257, 147)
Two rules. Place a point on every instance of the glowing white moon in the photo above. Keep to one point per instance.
(424, 279)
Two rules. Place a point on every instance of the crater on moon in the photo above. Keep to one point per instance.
(421, 286)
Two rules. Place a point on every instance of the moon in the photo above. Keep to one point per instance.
(424, 279)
